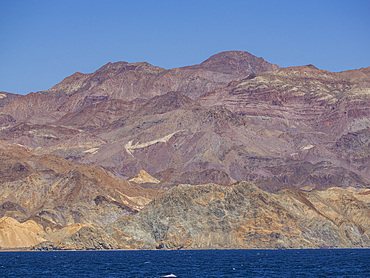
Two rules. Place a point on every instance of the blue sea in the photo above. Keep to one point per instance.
(200, 263)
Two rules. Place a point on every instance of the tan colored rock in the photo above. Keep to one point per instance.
(212, 216)
(143, 177)
(19, 235)
(243, 216)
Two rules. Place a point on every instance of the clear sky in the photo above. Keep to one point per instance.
(42, 42)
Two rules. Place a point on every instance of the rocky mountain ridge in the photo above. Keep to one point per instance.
(84, 164)
(129, 81)
(293, 121)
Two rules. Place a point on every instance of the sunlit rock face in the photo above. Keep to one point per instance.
(243, 216)
(239, 216)
(19, 235)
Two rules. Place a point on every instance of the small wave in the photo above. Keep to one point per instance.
(170, 275)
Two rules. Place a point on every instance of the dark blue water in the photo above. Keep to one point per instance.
(210, 263)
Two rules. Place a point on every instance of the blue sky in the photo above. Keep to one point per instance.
(42, 42)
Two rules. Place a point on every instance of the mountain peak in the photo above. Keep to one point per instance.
(235, 61)
(311, 66)
(231, 55)
(126, 66)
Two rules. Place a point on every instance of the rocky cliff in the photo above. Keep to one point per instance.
(239, 216)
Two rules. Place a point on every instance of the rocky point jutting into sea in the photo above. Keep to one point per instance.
(234, 152)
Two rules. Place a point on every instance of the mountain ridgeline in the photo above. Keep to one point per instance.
(234, 152)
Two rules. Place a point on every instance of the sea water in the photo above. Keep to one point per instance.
(200, 263)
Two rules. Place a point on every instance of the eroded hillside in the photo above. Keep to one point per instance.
(84, 164)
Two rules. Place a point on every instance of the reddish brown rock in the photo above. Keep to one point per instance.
(127, 82)
(297, 127)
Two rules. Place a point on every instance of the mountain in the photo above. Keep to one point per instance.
(99, 160)
(129, 81)
(299, 128)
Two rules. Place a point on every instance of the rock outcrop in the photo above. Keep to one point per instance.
(243, 216)
(143, 177)
(239, 216)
